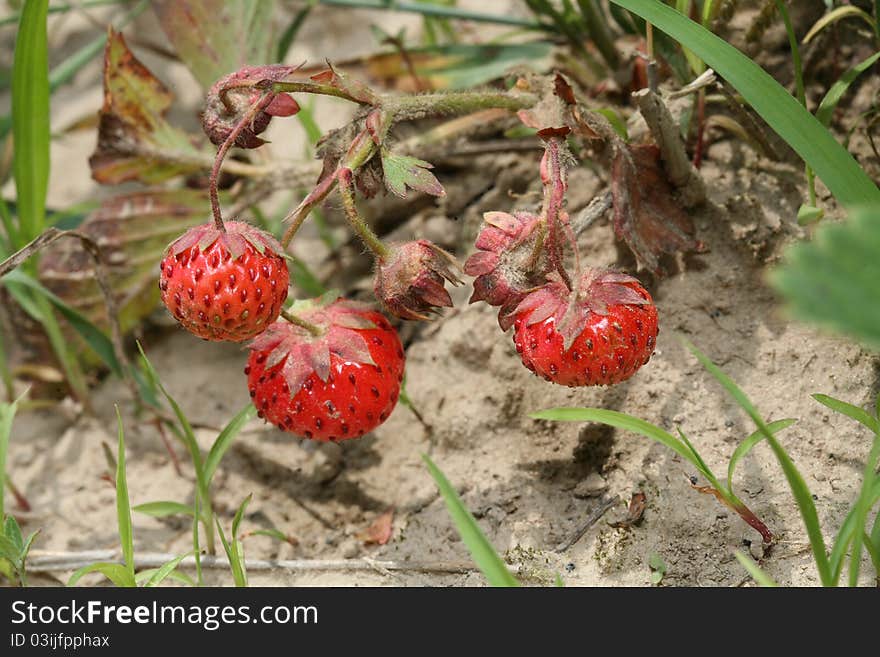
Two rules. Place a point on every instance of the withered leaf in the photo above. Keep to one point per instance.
(380, 530)
(646, 214)
(637, 504)
(216, 37)
(135, 142)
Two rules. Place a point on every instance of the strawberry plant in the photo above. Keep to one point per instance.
(219, 226)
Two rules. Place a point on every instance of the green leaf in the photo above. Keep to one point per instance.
(795, 481)
(839, 88)
(163, 509)
(832, 281)
(485, 556)
(615, 120)
(216, 37)
(123, 508)
(13, 533)
(165, 570)
(745, 447)
(755, 570)
(658, 568)
(835, 15)
(115, 572)
(135, 142)
(800, 129)
(30, 118)
(144, 576)
(224, 440)
(402, 171)
(9, 551)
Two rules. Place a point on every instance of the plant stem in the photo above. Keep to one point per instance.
(245, 121)
(308, 87)
(553, 177)
(314, 329)
(360, 227)
(439, 104)
(298, 215)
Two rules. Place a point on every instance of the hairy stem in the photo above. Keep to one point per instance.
(308, 87)
(360, 227)
(553, 177)
(298, 215)
(408, 108)
(245, 121)
(298, 321)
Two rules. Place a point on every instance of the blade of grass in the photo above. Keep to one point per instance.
(853, 412)
(186, 435)
(838, 89)
(30, 118)
(197, 550)
(862, 508)
(745, 447)
(795, 481)
(621, 421)
(835, 15)
(803, 132)
(70, 66)
(7, 415)
(123, 506)
(115, 572)
(755, 570)
(484, 555)
(163, 509)
(165, 570)
(224, 440)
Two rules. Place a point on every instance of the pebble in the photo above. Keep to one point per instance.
(593, 486)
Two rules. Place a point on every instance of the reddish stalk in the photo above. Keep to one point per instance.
(553, 177)
(246, 120)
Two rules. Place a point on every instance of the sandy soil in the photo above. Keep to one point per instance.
(531, 484)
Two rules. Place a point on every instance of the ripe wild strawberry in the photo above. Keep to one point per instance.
(224, 285)
(337, 381)
(599, 334)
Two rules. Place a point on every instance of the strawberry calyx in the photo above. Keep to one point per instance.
(410, 279)
(235, 239)
(593, 292)
(510, 261)
(300, 351)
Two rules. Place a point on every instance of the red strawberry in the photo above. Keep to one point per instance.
(224, 285)
(336, 382)
(597, 335)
